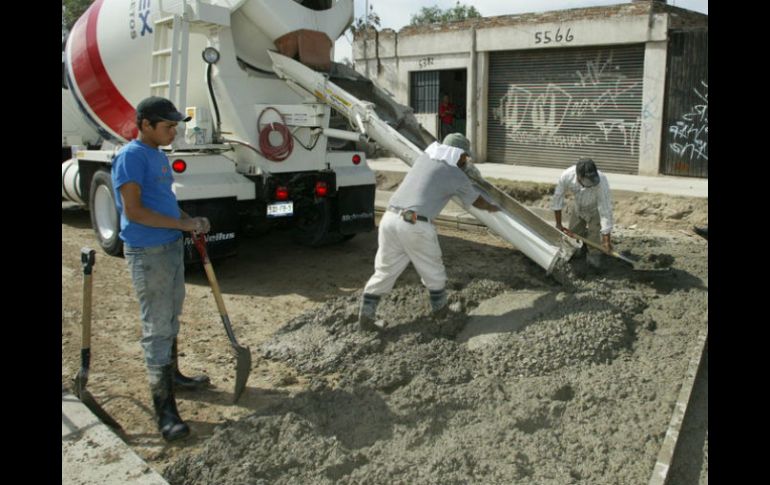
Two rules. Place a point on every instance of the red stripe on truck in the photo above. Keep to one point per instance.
(95, 85)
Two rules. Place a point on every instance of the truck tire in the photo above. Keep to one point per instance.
(104, 214)
(314, 226)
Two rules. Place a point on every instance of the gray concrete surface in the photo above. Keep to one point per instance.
(663, 184)
(507, 313)
(93, 455)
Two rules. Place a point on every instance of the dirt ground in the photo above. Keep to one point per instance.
(578, 389)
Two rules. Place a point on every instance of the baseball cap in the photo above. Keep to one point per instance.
(457, 140)
(586, 169)
(157, 108)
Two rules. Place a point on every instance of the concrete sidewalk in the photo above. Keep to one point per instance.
(91, 454)
(663, 184)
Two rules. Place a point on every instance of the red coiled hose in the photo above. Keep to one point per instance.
(280, 152)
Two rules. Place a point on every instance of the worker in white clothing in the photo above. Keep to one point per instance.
(592, 217)
(406, 232)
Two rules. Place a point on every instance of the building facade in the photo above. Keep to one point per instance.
(626, 85)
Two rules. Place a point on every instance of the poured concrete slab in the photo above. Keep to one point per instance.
(504, 314)
(93, 455)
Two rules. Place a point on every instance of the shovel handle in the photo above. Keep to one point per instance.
(600, 247)
(88, 259)
(215, 288)
(200, 242)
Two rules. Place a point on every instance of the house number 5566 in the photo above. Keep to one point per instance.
(548, 36)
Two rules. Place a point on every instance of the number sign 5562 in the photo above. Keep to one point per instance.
(546, 37)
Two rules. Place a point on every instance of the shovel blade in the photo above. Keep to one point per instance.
(629, 257)
(626, 258)
(87, 398)
(79, 383)
(242, 369)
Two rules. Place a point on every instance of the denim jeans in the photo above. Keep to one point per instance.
(158, 276)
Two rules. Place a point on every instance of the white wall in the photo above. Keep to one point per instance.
(399, 56)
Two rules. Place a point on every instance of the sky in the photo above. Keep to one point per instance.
(395, 14)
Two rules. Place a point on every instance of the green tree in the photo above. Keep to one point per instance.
(360, 23)
(436, 15)
(72, 10)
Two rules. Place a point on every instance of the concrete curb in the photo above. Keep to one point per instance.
(93, 455)
(666, 454)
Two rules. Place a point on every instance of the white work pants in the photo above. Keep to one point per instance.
(399, 243)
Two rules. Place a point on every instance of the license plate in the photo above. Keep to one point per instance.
(280, 209)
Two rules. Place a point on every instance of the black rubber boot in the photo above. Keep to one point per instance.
(183, 382)
(438, 301)
(367, 312)
(170, 424)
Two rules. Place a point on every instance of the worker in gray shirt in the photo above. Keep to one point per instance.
(406, 231)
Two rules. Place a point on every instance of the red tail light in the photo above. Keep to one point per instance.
(281, 193)
(356, 159)
(321, 189)
(179, 166)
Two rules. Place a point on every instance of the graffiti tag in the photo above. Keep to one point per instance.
(542, 116)
(690, 132)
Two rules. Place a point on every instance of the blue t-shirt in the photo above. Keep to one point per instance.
(149, 168)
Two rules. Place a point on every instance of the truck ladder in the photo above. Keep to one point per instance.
(171, 42)
(168, 76)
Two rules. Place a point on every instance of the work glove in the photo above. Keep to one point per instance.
(202, 225)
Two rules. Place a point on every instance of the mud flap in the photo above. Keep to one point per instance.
(221, 239)
(355, 209)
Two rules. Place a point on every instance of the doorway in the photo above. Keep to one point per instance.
(427, 90)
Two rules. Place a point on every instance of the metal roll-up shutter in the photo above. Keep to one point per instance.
(548, 107)
(686, 121)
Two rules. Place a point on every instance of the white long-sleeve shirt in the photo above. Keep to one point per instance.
(587, 200)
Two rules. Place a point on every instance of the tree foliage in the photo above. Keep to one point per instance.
(436, 15)
(72, 10)
(360, 23)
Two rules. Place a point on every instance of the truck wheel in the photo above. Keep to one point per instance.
(313, 225)
(104, 214)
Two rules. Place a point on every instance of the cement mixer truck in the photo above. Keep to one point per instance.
(255, 154)
(257, 79)
(75, 130)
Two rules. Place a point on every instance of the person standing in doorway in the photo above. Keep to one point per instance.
(151, 225)
(407, 233)
(446, 113)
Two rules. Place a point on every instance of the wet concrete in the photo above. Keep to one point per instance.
(531, 382)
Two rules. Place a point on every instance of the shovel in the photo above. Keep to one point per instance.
(627, 258)
(88, 258)
(242, 354)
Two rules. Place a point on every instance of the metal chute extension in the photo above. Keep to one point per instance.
(541, 242)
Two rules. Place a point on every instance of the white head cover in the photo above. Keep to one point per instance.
(447, 153)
